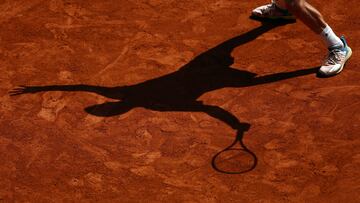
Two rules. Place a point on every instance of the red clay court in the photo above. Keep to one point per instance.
(132, 101)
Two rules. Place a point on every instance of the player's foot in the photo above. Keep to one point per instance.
(335, 60)
(272, 12)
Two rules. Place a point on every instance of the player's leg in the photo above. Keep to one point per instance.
(339, 52)
(307, 14)
(280, 9)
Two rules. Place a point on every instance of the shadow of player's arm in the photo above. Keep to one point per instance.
(213, 111)
(113, 93)
(225, 116)
(108, 109)
(231, 120)
(280, 76)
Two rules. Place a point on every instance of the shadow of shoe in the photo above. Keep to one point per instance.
(273, 21)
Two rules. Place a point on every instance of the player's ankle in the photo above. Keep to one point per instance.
(280, 6)
(331, 39)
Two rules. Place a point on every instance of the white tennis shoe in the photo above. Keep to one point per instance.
(272, 12)
(336, 59)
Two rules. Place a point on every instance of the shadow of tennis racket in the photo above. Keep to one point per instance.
(236, 158)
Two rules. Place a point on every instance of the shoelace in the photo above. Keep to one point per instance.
(269, 8)
(334, 57)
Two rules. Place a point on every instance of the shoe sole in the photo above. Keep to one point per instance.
(341, 67)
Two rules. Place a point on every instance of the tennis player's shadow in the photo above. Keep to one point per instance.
(180, 90)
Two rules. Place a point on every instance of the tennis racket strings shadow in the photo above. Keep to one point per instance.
(236, 158)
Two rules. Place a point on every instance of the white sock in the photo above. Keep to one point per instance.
(330, 37)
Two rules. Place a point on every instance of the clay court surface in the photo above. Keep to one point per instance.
(129, 101)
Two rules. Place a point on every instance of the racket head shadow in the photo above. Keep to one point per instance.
(234, 161)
